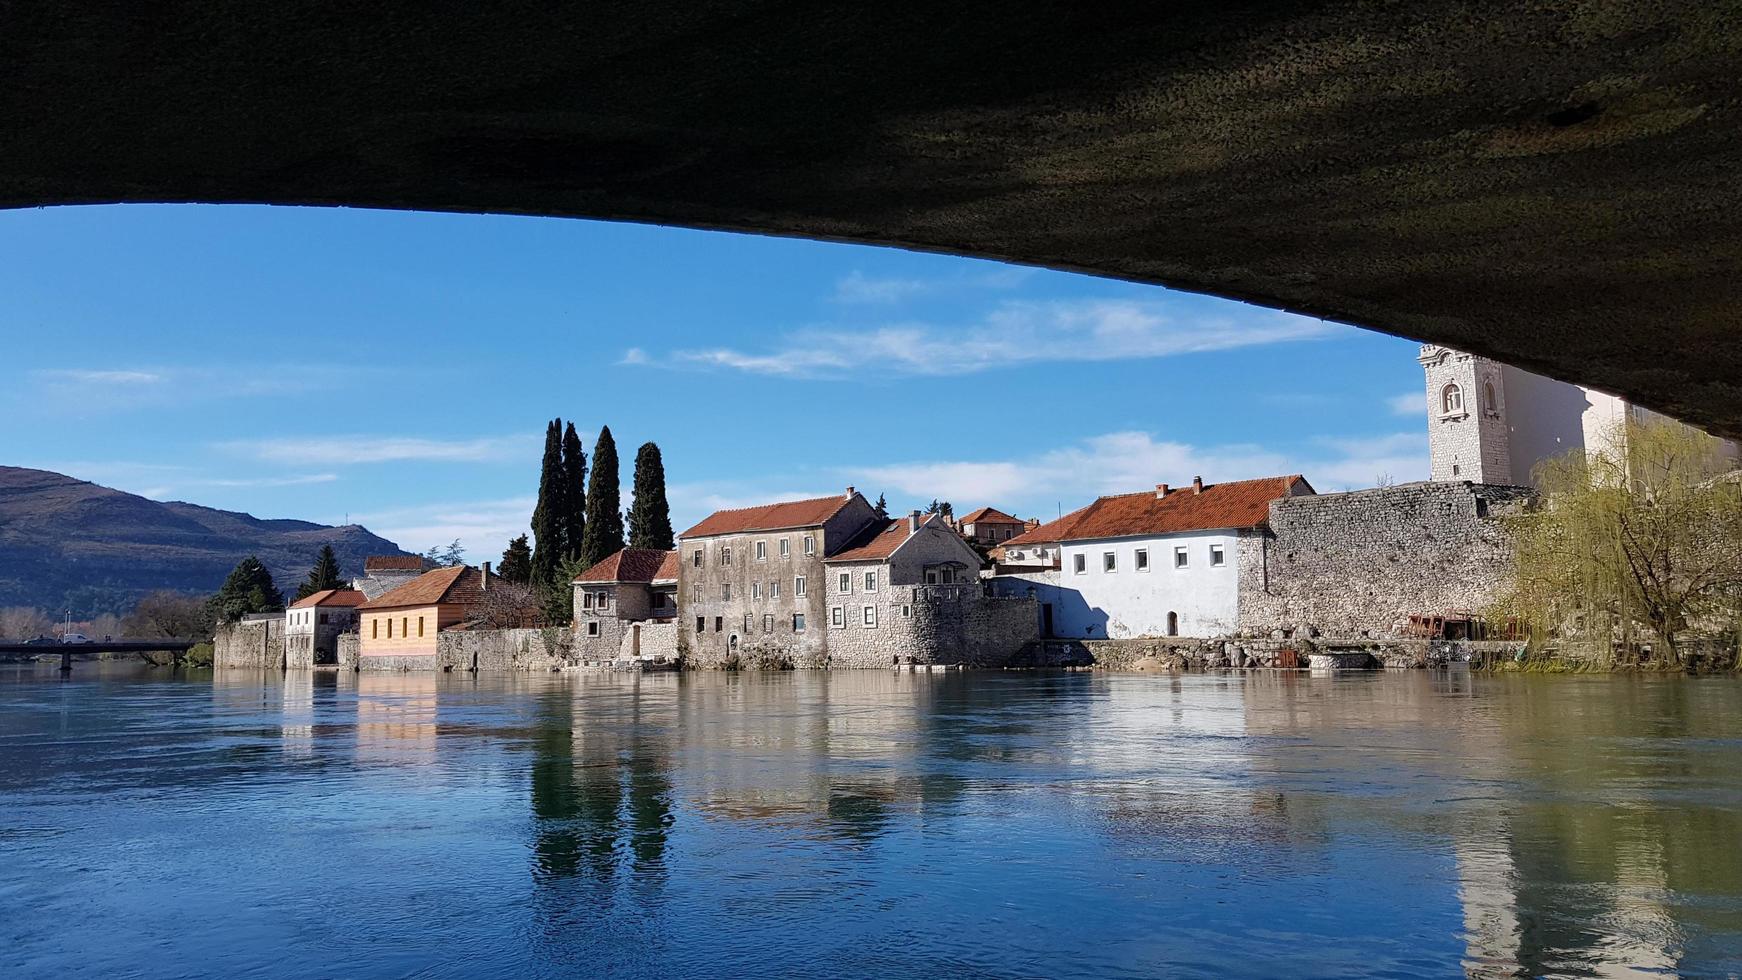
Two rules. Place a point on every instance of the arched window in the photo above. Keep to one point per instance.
(1451, 399)
(1488, 402)
(1173, 624)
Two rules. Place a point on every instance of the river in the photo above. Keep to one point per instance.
(156, 824)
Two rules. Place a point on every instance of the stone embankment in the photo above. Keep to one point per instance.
(1190, 653)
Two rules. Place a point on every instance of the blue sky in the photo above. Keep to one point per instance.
(397, 369)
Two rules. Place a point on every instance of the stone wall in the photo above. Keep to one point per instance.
(256, 644)
(1359, 564)
(350, 645)
(658, 640)
(485, 650)
(1176, 653)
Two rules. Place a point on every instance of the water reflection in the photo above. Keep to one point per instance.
(875, 823)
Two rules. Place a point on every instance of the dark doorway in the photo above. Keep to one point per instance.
(1046, 620)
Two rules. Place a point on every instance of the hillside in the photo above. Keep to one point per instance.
(66, 542)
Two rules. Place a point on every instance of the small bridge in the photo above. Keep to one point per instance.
(175, 648)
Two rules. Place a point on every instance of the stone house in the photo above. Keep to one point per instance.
(399, 629)
(312, 625)
(989, 527)
(384, 573)
(626, 607)
(1154, 563)
(826, 582)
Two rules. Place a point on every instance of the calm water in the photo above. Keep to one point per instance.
(867, 824)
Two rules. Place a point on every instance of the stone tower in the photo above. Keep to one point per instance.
(1466, 416)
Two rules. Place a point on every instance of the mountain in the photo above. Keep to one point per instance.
(66, 543)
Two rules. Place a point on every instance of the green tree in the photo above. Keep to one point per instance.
(574, 494)
(882, 507)
(547, 521)
(649, 514)
(604, 535)
(323, 576)
(247, 590)
(1630, 545)
(446, 556)
(516, 563)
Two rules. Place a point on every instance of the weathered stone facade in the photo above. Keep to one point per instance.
(483, 650)
(253, 643)
(1359, 564)
(1467, 432)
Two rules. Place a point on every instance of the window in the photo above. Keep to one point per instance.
(420, 626)
(701, 624)
(746, 622)
(838, 616)
(404, 624)
(390, 627)
(601, 600)
(725, 556)
(761, 551)
(798, 586)
(844, 584)
(696, 558)
(1140, 559)
(374, 629)
(767, 622)
(906, 612)
(698, 591)
(593, 627)
(1181, 557)
(1488, 400)
(1173, 624)
(870, 581)
(774, 590)
(323, 617)
(810, 544)
(1451, 399)
(786, 547)
(870, 615)
(1218, 557)
(726, 591)
(755, 590)
(586, 600)
(1109, 561)
(1079, 563)
(798, 622)
(719, 624)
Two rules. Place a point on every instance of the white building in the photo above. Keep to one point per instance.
(1493, 423)
(1155, 563)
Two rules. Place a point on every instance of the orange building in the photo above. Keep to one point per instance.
(406, 621)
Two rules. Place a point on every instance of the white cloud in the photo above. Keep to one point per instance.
(856, 287)
(1413, 403)
(83, 377)
(354, 450)
(1016, 333)
(635, 355)
(483, 527)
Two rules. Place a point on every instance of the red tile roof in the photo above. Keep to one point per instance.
(990, 515)
(331, 597)
(667, 568)
(400, 563)
(1239, 504)
(770, 517)
(459, 585)
(877, 541)
(631, 565)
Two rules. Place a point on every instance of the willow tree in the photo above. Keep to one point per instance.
(1637, 541)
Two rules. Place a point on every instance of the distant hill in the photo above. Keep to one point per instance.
(68, 543)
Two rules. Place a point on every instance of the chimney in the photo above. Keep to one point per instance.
(1197, 484)
(913, 522)
(485, 580)
(1160, 490)
(851, 491)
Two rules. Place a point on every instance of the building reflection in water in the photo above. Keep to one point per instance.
(396, 717)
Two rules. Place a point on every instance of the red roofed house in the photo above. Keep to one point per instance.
(400, 628)
(990, 526)
(1155, 563)
(626, 607)
(312, 626)
(826, 582)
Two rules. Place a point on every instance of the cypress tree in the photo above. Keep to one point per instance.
(604, 532)
(574, 490)
(547, 523)
(650, 515)
(248, 589)
(516, 564)
(323, 576)
(882, 507)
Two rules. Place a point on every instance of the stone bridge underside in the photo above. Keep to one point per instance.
(1553, 183)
